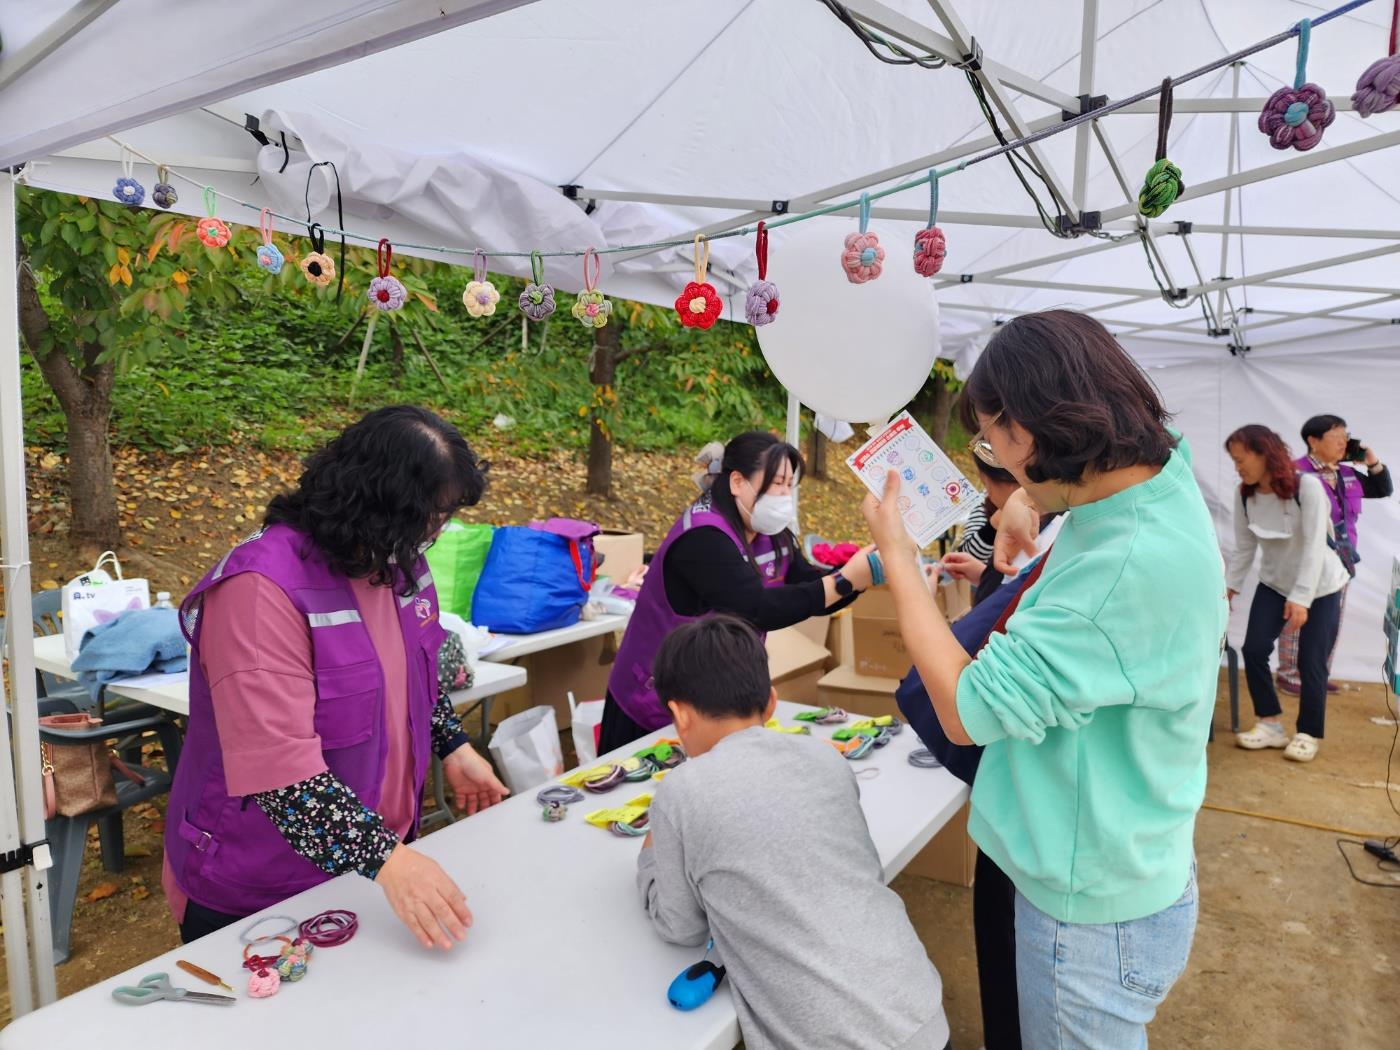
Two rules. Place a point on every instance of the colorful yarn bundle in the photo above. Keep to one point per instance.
(263, 983)
(164, 194)
(761, 303)
(823, 716)
(316, 265)
(699, 306)
(1295, 118)
(776, 726)
(862, 258)
(291, 965)
(1378, 89)
(632, 829)
(603, 779)
(480, 297)
(269, 255)
(330, 929)
(537, 300)
(386, 292)
(591, 309)
(930, 246)
(211, 231)
(1163, 184)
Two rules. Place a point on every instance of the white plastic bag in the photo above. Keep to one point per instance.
(94, 598)
(585, 719)
(526, 749)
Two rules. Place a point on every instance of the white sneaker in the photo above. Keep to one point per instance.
(1264, 734)
(1302, 748)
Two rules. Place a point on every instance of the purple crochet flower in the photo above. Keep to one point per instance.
(1378, 89)
(761, 305)
(387, 293)
(537, 301)
(129, 192)
(1295, 118)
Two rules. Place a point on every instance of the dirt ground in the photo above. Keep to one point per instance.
(1290, 950)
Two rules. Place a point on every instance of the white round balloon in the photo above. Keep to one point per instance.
(858, 352)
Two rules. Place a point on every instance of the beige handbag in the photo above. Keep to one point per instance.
(78, 776)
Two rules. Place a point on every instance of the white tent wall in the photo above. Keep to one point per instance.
(1213, 393)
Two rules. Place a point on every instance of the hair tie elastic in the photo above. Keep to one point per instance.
(164, 194)
(537, 300)
(260, 962)
(1162, 184)
(699, 306)
(1294, 118)
(127, 190)
(605, 778)
(269, 256)
(247, 936)
(330, 929)
(923, 758)
(386, 292)
(761, 302)
(863, 259)
(591, 308)
(930, 246)
(480, 297)
(635, 828)
(1378, 88)
(823, 716)
(211, 230)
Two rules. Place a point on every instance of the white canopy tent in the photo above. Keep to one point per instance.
(513, 125)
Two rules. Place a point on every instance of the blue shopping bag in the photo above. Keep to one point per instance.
(536, 578)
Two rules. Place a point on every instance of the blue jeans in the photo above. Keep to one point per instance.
(1095, 987)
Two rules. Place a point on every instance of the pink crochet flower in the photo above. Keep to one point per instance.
(1378, 89)
(863, 259)
(930, 249)
(387, 293)
(1295, 118)
(213, 232)
(761, 304)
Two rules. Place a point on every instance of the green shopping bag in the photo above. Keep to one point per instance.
(456, 560)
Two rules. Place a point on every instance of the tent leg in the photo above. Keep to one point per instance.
(21, 780)
(794, 438)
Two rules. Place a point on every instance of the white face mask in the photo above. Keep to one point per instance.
(771, 514)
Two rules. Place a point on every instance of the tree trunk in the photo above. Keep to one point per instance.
(603, 369)
(816, 454)
(934, 407)
(86, 397)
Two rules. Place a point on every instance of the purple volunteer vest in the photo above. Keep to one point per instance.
(1351, 486)
(653, 619)
(223, 850)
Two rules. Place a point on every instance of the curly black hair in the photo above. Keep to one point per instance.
(372, 497)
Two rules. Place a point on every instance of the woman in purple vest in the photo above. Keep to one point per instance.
(732, 551)
(319, 682)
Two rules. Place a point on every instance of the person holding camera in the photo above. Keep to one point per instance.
(1350, 472)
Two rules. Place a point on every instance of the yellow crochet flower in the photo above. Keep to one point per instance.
(480, 298)
(592, 309)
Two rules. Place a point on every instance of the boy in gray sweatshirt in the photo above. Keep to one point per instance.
(759, 841)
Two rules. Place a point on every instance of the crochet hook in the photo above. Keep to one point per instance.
(203, 974)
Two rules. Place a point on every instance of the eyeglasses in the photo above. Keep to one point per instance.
(980, 447)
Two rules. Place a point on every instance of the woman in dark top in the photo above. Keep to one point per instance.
(732, 551)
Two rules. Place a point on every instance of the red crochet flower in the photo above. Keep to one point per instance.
(929, 251)
(699, 306)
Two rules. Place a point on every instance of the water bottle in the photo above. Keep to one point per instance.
(163, 601)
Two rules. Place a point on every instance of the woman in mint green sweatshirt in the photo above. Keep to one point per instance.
(1095, 703)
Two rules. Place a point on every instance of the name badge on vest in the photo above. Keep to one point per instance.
(422, 608)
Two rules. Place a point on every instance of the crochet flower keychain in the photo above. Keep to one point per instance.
(1294, 118)
(537, 300)
(270, 257)
(761, 304)
(699, 306)
(211, 230)
(480, 297)
(316, 265)
(164, 194)
(127, 189)
(386, 291)
(930, 247)
(863, 259)
(1163, 184)
(1378, 89)
(591, 308)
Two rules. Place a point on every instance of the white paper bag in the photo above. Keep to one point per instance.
(94, 598)
(585, 719)
(526, 749)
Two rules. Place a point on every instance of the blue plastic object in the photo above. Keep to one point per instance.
(694, 985)
(533, 580)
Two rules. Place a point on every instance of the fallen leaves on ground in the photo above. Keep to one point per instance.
(102, 891)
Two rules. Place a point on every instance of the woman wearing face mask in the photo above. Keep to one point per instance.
(732, 551)
(1285, 515)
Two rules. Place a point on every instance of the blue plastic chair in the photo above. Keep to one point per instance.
(48, 607)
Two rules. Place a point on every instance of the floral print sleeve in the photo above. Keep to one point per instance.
(453, 673)
(325, 822)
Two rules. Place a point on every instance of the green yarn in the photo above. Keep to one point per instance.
(1160, 189)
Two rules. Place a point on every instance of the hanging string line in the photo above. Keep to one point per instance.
(831, 209)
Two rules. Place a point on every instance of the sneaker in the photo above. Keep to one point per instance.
(1264, 734)
(1291, 688)
(1302, 748)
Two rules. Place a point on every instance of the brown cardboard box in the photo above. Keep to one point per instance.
(950, 856)
(877, 648)
(857, 693)
(840, 639)
(814, 628)
(795, 663)
(622, 553)
(581, 667)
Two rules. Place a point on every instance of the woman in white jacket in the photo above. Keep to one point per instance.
(1285, 516)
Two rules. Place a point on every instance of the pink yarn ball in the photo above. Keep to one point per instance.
(1378, 89)
(263, 984)
(930, 249)
(863, 259)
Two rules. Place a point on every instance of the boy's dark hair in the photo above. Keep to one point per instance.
(1085, 402)
(716, 665)
(991, 473)
(1320, 425)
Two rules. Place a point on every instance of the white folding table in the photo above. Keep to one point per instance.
(561, 954)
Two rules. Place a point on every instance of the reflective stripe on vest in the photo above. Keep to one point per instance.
(333, 619)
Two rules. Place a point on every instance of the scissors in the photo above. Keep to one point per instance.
(156, 986)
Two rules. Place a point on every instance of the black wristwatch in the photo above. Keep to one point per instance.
(844, 587)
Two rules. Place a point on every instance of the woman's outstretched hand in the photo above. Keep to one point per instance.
(1016, 532)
